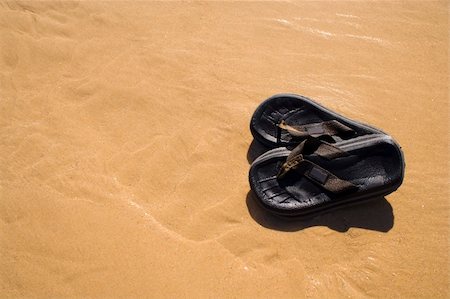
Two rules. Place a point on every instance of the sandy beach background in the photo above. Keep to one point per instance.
(124, 148)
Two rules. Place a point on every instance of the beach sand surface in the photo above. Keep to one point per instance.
(125, 148)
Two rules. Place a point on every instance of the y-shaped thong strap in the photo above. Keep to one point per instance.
(325, 128)
(317, 174)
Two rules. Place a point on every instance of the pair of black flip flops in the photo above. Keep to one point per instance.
(318, 158)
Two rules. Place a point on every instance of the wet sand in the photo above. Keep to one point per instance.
(124, 148)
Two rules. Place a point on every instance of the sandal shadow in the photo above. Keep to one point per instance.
(255, 150)
(375, 214)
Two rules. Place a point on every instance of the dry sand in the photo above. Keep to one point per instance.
(124, 139)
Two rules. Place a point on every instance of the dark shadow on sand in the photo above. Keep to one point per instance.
(255, 150)
(374, 215)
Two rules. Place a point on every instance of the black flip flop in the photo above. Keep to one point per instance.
(317, 175)
(287, 119)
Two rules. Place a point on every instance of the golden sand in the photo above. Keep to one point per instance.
(124, 139)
